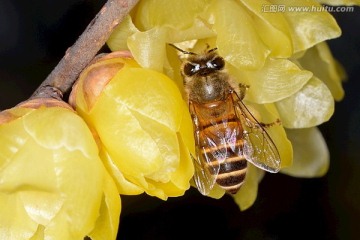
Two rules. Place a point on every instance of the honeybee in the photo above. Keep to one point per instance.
(226, 134)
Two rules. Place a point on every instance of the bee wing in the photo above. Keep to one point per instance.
(205, 172)
(259, 148)
(209, 155)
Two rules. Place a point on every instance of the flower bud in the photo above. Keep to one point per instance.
(143, 126)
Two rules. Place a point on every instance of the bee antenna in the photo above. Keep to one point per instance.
(183, 51)
(212, 50)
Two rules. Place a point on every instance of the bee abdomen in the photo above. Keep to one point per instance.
(231, 183)
(222, 148)
(231, 174)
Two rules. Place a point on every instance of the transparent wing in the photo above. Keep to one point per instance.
(207, 162)
(259, 148)
(210, 151)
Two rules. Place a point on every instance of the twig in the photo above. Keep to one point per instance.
(85, 48)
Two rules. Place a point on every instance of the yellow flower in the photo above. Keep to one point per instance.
(142, 124)
(52, 182)
(275, 46)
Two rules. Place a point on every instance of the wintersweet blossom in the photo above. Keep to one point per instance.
(52, 182)
(141, 123)
(281, 54)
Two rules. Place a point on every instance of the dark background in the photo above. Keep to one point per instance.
(33, 38)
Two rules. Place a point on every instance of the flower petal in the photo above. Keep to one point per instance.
(177, 14)
(278, 79)
(308, 27)
(63, 192)
(185, 170)
(148, 47)
(128, 137)
(217, 192)
(237, 38)
(107, 224)
(124, 186)
(272, 28)
(119, 37)
(320, 61)
(310, 106)
(311, 155)
(247, 194)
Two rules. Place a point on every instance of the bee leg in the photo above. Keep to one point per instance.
(277, 122)
(250, 120)
(207, 47)
(242, 90)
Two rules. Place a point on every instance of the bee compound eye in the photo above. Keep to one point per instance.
(189, 69)
(218, 63)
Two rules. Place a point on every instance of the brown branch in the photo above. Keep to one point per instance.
(84, 50)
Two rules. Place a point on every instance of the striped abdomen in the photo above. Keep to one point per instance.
(221, 147)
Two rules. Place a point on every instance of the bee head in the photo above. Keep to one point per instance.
(201, 64)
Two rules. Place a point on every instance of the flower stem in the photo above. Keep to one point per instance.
(78, 56)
